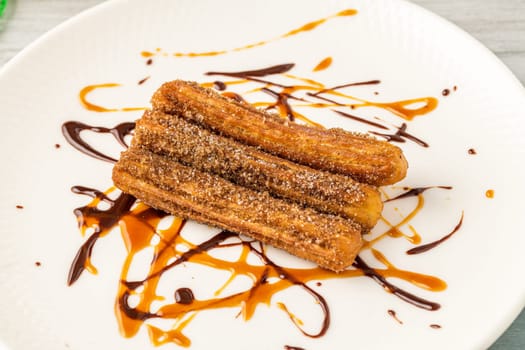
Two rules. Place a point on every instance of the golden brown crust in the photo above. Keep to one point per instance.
(328, 240)
(363, 158)
(248, 166)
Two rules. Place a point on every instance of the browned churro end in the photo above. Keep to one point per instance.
(363, 158)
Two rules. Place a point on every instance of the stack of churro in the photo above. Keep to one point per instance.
(307, 190)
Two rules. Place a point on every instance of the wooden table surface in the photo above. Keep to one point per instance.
(498, 24)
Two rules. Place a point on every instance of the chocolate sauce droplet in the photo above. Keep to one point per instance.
(472, 151)
(435, 326)
(149, 61)
(219, 85)
(18, 206)
(142, 81)
(234, 96)
(393, 314)
(445, 92)
(184, 296)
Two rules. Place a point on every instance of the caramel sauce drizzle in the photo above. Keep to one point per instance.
(287, 98)
(304, 28)
(324, 64)
(84, 93)
(139, 225)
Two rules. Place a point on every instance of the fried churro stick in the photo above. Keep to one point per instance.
(328, 240)
(363, 158)
(248, 166)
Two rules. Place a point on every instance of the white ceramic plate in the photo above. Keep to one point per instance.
(411, 51)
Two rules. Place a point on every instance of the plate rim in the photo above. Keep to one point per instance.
(498, 330)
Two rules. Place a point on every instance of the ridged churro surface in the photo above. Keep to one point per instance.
(361, 157)
(248, 166)
(162, 182)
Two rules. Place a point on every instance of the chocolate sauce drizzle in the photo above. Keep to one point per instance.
(72, 132)
(361, 120)
(285, 108)
(426, 247)
(393, 314)
(398, 292)
(281, 100)
(104, 221)
(337, 87)
(319, 299)
(215, 242)
(262, 72)
(211, 243)
(255, 74)
(268, 278)
(131, 312)
(413, 192)
(401, 135)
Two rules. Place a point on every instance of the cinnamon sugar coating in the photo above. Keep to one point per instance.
(361, 157)
(162, 182)
(248, 166)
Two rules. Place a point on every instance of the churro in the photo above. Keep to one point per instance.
(328, 240)
(248, 166)
(361, 157)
